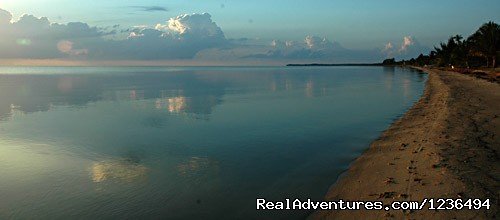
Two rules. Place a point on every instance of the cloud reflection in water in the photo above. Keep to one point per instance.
(198, 165)
(176, 104)
(122, 170)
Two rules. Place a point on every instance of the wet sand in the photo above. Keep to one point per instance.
(445, 146)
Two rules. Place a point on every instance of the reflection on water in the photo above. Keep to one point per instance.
(176, 104)
(33, 93)
(309, 88)
(123, 170)
(179, 92)
(185, 143)
(197, 165)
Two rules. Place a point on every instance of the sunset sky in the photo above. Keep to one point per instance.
(259, 32)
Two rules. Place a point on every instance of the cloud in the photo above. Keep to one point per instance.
(33, 37)
(407, 42)
(194, 25)
(388, 50)
(313, 48)
(181, 37)
(150, 8)
(5, 17)
(388, 46)
(187, 36)
(282, 45)
(278, 44)
(66, 47)
(315, 42)
(409, 48)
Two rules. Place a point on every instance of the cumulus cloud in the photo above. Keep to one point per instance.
(278, 44)
(181, 37)
(187, 36)
(5, 17)
(193, 26)
(33, 37)
(311, 48)
(388, 50)
(407, 42)
(66, 47)
(315, 42)
(408, 48)
(388, 46)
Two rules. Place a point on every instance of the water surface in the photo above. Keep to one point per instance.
(184, 143)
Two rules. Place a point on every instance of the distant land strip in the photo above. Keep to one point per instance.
(340, 64)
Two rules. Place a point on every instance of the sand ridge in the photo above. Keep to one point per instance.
(445, 146)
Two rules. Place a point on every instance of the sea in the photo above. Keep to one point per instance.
(186, 142)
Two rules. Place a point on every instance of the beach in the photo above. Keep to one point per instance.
(445, 146)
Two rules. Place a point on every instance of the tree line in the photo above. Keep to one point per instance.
(481, 49)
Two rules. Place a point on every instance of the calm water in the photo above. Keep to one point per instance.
(184, 143)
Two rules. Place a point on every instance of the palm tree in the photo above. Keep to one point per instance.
(442, 53)
(486, 42)
(459, 51)
(453, 52)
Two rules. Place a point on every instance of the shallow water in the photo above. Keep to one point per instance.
(185, 142)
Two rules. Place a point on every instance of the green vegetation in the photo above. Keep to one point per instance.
(481, 49)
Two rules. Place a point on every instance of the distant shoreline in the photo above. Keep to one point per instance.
(340, 64)
(445, 146)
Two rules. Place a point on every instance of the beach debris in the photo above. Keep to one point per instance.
(386, 195)
(407, 211)
(389, 215)
(389, 180)
(403, 195)
(417, 179)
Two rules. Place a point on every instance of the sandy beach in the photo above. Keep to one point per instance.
(445, 146)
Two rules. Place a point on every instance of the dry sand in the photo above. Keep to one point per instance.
(445, 146)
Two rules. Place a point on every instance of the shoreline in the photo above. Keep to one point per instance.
(332, 64)
(445, 146)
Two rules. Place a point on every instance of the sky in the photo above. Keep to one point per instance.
(257, 31)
